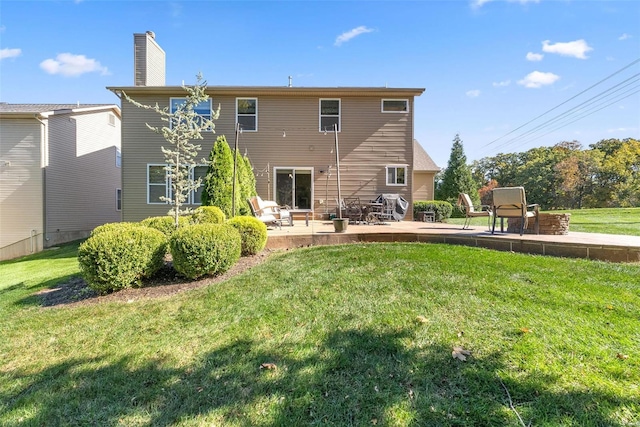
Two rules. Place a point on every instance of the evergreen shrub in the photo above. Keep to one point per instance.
(208, 215)
(114, 226)
(117, 259)
(204, 249)
(166, 223)
(253, 233)
(442, 209)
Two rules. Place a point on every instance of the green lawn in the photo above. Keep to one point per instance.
(354, 335)
(609, 221)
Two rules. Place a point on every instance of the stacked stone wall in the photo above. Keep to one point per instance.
(550, 223)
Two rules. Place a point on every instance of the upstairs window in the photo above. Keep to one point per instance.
(395, 105)
(203, 109)
(118, 158)
(397, 175)
(247, 114)
(329, 114)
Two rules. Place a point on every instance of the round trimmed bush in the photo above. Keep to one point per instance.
(166, 223)
(253, 233)
(208, 215)
(117, 259)
(205, 249)
(114, 226)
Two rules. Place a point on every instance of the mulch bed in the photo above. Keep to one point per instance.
(167, 282)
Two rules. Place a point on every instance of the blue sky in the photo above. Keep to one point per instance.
(491, 68)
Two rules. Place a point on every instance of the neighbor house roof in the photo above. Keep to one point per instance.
(421, 160)
(48, 109)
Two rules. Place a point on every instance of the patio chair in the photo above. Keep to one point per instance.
(464, 201)
(511, 202)
(353, 209)
(269, 212)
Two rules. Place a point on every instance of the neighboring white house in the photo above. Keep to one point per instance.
(59, 173)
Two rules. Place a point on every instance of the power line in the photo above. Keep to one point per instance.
(563, 103)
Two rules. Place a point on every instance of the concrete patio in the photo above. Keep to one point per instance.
(606, 247)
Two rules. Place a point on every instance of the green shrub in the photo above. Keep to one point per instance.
(204, 249)
(253, 233)
(166, 223)
(441, 208)
(116, 259)
(114, 226)
(208, 215)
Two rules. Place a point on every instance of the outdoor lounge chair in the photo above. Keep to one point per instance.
(464, 201)
(269, 212)
(510, 202)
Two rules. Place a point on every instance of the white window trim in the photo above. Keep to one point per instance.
(118, 190)
(247, 115)
(210, 101)
(167, 185)
(118, 157)
(393, 112)
(320, 115)
(386, 175)
(295, 168)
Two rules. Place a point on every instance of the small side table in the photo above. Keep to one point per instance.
(306, 213)
(427, 216)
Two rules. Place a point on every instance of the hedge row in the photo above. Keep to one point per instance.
(122, 255)
(441, 208)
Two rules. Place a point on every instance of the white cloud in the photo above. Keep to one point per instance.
(576, 48)
(10, 53)
(473, 93)
(534, 56)
(625, 36)
(502, 84)
(346, 36)
(476, 4)
(631, 129)
(70, 65)
(538, 79)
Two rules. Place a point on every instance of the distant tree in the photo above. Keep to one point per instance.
(457, 178)
(184, 126)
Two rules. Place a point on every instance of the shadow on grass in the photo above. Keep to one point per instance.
(351, 378)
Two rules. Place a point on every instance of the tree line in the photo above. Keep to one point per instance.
(564, 176)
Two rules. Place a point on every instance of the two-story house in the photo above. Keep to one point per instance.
(59, 173)
(287, 132)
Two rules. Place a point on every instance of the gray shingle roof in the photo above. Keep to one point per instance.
(421, 160)
(41, 108)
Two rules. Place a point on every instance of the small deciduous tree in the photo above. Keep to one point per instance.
(184, 126)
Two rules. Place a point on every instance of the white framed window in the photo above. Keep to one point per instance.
(247, 114)
(118, 158)
(395, 105)
(397, 175)
(118, 199)
(330, 110)
(203, 109)
(159, 184)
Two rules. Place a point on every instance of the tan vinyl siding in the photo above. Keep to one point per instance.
(82, 175)
(423, 185)
(21, 210)
(149, 61)
(369, 141)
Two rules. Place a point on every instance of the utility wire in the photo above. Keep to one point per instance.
(563, 103)
(599, 98)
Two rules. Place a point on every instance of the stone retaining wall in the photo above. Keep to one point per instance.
(550, 223)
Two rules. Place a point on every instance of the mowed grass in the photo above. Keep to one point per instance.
(608, 221)
(357, 335)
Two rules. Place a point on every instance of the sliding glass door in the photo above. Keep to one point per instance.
(294, 187)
